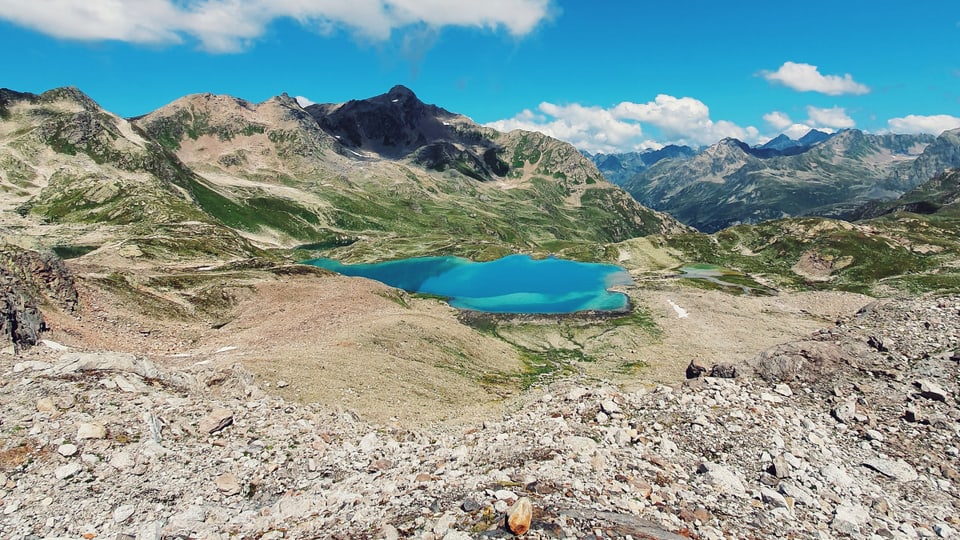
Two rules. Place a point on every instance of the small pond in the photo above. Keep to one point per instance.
(723, 278)
(513, 284)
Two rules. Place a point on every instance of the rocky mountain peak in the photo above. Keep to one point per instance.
(402, 93)
(392, 125)
(285, 100)
(779, 142)
(728, 147)
(70, 94)
(814, 136)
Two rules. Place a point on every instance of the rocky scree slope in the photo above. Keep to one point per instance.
(850, 433)
(731, 183)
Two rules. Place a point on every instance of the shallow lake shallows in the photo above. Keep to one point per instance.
(513, 284)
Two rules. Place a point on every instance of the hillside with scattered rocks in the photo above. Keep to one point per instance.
(851, 432)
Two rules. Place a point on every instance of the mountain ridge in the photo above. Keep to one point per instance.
(730, 182)
(271, 173)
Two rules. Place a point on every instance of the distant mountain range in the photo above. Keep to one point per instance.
(622, 167)
(619, 168)
(212, 173)
(822, 174)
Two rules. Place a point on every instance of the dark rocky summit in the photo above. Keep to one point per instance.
(397, 124)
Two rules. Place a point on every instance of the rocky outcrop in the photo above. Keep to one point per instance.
(27, 279)
(20, 319)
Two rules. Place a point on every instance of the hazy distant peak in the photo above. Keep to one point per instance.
(813, 137)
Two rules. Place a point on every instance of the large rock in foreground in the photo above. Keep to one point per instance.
(26, 279)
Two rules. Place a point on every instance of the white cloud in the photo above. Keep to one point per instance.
(834, 117)
(303, 102)
(797, 131)
(807, 78)
(778, 120)
(231, 25)
(623, 127)
(935, 124)
(589, 128)
(826, 120)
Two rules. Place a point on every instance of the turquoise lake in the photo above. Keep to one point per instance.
(513, 284)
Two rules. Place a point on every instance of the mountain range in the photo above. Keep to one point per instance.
(217, 178)
(731, 182)
(370, 175)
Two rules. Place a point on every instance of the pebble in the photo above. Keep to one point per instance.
(845, 411)
(944, 530)
(836, 475)
(931, 390)
(228, 484)
(123, 513)
(783, 389)
(772, 498)
(610, 407)
(67, 450)
(66, 471)
(46, 405)
(849, 518)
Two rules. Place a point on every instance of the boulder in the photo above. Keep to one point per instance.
(806, 361)
(519, 516)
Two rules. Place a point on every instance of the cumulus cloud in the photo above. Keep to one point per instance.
(834, 117)
(827, 120)
(232, 25)
(778, 120)
(589, 128)
(623, 127)
(807, 78)
(935, 124)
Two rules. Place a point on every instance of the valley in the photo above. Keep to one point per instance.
(161, 254)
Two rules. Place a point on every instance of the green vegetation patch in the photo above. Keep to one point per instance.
(73, 251)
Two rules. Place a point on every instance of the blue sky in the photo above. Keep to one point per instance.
(607, 75)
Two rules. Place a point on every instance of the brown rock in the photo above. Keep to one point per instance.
(642, 486)
(687, 515)
(807, 361)
(380, 465)
(694, 371)
(216, 421)
(519, 516)
(723, 371)
(702, 515)
(46, 405)
(227, 484)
